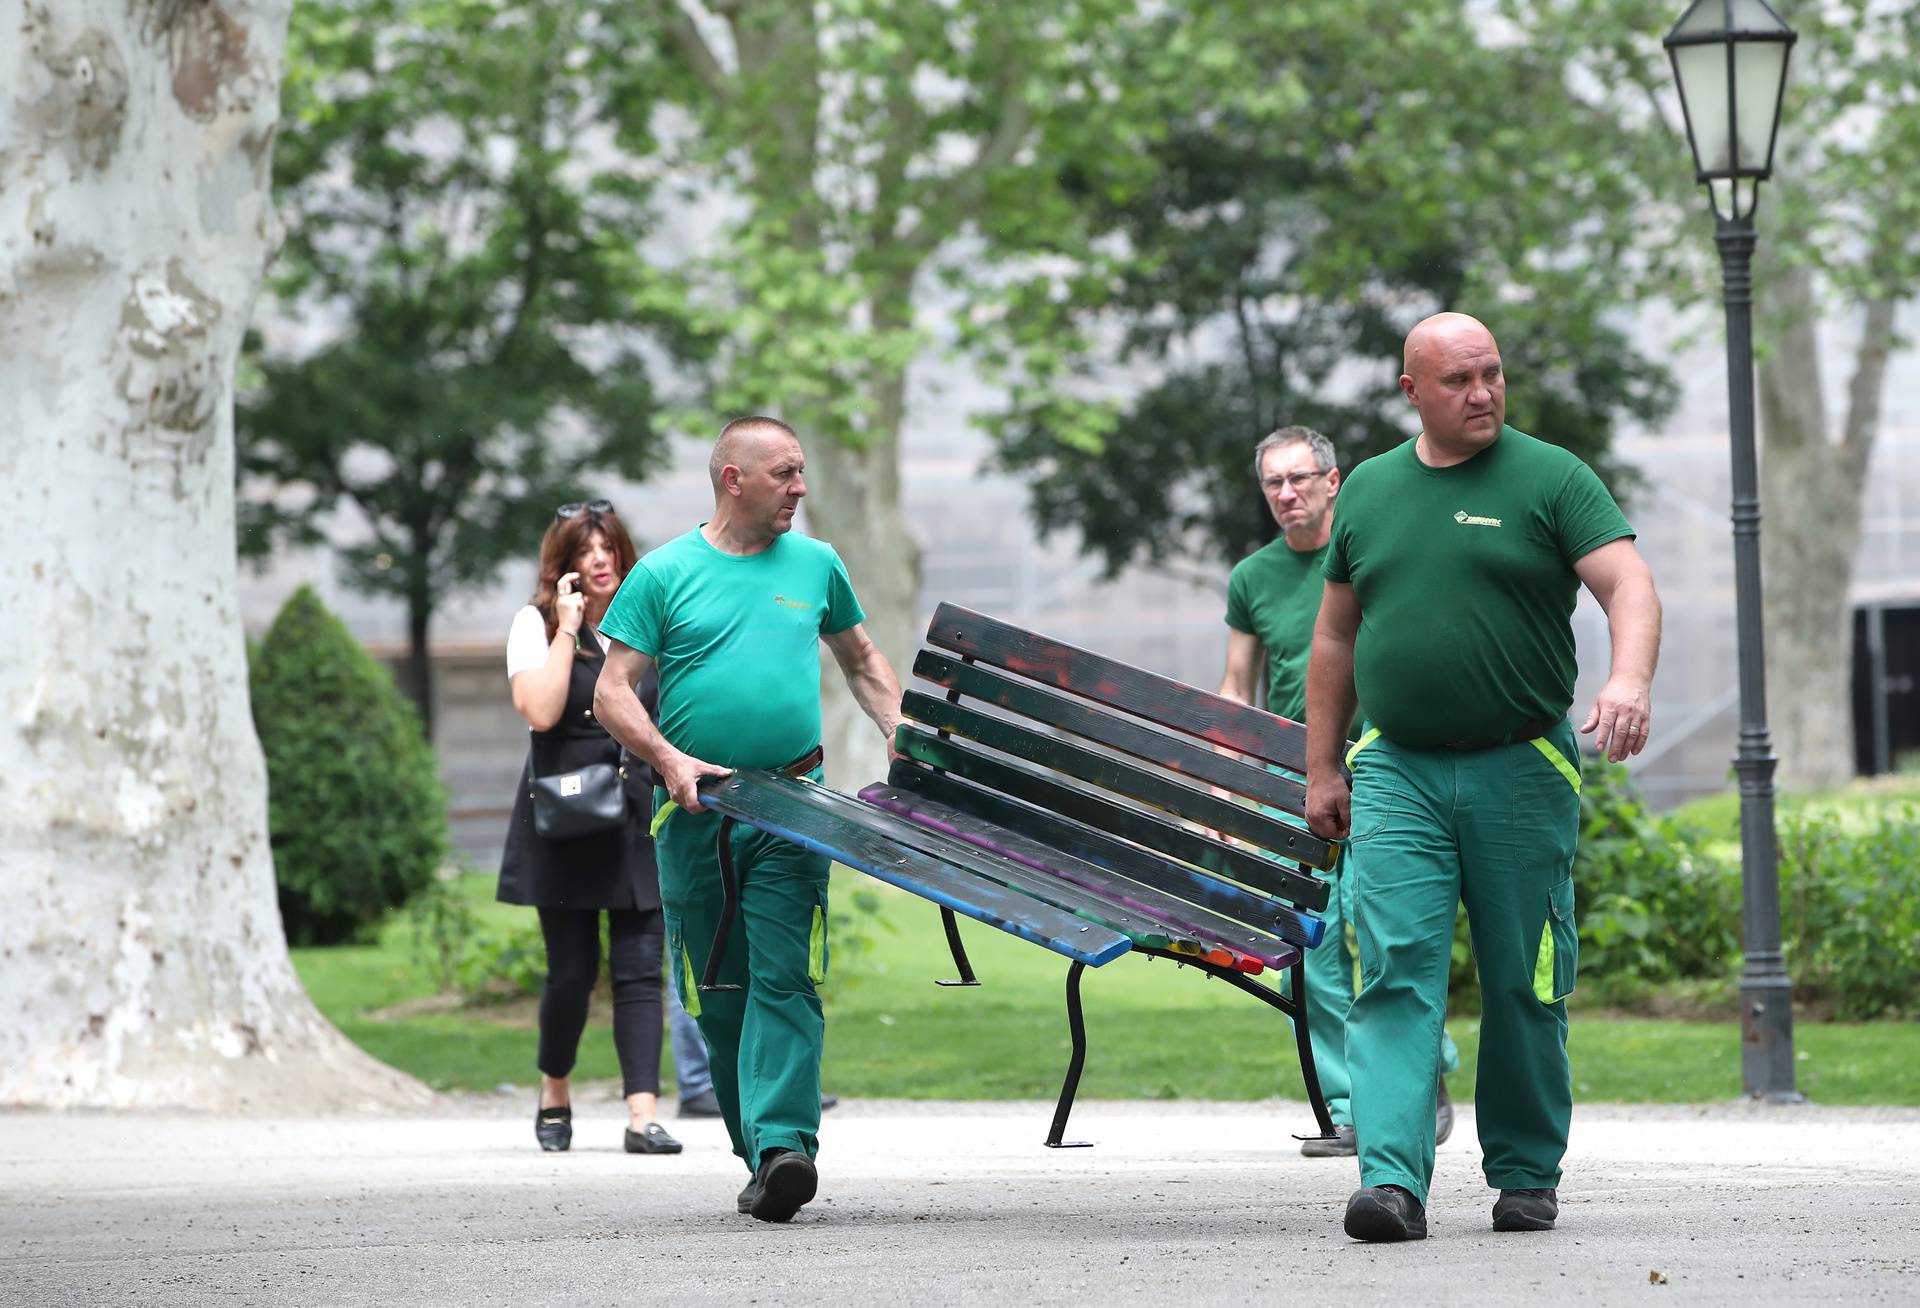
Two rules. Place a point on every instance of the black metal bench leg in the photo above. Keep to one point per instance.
(729, 904)
(1297, 985)
(1077, 1028)
(958, 950)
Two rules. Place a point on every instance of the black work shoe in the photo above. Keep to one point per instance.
(1526, 1210)
(744, 1204)
(651, 1139)
(1442, 1114)
(828, 1101)
(1383, 1213)
(553, 1128)
(704, 1104)
(787, 1181)
(1340, 1144)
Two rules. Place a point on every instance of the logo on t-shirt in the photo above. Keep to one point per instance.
(1466, 519)
(784, 602)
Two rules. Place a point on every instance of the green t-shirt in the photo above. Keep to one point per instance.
(1274, 595)
(737, 641)
(1465, 581)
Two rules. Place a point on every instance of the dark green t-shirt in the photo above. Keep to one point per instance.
(1465, 581)
(1273, 595)
(737, 640)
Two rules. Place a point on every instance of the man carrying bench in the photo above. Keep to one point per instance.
(733, 613)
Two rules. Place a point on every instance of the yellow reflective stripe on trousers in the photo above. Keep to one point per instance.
(817, 947)
(1367, 738)
(689, 989)
(667, 810)
(1543, 966)
(1560, 764)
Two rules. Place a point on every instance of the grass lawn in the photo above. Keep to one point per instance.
(892, 1032)
(1858, 804)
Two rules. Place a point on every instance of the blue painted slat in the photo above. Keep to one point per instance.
(798, 811)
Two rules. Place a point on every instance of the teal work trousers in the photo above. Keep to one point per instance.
(1494, 829)
(766, 1038)
(1332, 972)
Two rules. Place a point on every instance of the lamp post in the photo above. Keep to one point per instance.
(1730, 58)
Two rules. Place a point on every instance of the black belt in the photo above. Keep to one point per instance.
(806, 763)
(1532, 729)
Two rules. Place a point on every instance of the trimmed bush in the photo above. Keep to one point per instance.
(355, 808)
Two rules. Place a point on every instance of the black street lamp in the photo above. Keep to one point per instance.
(1730, 58)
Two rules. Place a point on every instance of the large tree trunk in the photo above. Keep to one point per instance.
(853, 500)
(1810, 495)
(142, 960)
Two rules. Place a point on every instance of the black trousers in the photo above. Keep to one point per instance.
(635, 939)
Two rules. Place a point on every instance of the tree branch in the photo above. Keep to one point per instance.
(1868, 388)
(685, 36)
(966, 190)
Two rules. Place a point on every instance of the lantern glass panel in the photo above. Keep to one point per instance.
(1757, 71)
(1703, 81)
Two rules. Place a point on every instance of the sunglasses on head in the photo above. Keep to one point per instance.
(575, 509)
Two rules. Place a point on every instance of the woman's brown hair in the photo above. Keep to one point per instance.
(564, 540)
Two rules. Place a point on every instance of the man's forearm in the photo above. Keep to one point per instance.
(1330, 700)
(876, 691)
(627, 721)
(1633, 620)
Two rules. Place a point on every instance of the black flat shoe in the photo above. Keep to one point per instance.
(744, 1204)
(787, 1182)
(1381, 1214)
(651, 1139)
(553, 1128)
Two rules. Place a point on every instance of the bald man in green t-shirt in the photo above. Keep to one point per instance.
(1273, 597)
(1451, 576)
(733, 613)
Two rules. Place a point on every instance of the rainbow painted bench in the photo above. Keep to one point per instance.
(1072, 800)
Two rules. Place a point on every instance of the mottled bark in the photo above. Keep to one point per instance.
(1811, 484)
(142, 960)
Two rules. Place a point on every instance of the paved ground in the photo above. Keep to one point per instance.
(937, 1203)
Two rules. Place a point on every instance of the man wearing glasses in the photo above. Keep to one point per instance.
(733, 613)
(1273, 598)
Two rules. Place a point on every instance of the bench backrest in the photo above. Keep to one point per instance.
(1110, 762)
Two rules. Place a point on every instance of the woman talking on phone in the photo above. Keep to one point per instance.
(577, 845)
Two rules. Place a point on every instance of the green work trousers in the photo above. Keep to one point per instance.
(1494, 828)
(765, 1038)
(1332, 971)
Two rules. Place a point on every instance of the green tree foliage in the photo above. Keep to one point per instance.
(1337, 172)
(464, 210)
(898, 176)
(1839, 250)
(355, 808)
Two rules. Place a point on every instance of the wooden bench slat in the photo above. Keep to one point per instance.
(1201, 924)
(1133, 824)
(1163, 790)
(794, 811)
(1139, 865)
(1129, 737)
(1144, 694)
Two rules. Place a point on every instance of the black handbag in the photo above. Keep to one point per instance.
(584, 802)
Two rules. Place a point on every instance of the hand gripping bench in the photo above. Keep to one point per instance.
(1068, 799)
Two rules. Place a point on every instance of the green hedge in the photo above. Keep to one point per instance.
(1658, 902)
(355, 808)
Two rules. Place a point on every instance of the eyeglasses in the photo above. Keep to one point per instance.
(1297, 480)
(575, 509)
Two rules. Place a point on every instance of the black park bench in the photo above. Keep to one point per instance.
(1069, 799)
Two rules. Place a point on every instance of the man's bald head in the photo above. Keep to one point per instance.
(1454, 378)
(745, 443)
(1437, 334)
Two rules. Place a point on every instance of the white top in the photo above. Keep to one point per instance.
(527, 643)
